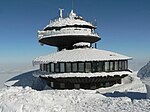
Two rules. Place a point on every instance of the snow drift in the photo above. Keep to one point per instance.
(144, 74)
(18, 99)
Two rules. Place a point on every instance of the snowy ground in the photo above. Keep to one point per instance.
(25, 97)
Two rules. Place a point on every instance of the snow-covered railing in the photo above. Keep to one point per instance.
(43, 34)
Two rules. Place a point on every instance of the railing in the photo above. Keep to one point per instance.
(43, 34)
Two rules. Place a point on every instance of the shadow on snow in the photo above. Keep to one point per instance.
(26, 79)
(131, 95)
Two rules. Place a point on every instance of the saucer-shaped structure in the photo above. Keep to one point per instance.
(64, 32)
(86, 68)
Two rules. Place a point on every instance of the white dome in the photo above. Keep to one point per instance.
(73, 19)
(81, 54)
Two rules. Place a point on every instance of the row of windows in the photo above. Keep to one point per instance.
(86, 67)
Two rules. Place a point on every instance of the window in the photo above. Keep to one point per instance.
(100, 66)
(62, 85)
(52, 84)
(120, 65)
(47, 68)
(77, 86)
(116, 65)
(62, 67)
(52, 67)
(49, 65)
(41, 67)
(68, 67)
(106, 66)
(44, 67)
(126, 65)
(81, 67)
(87, 67)
(107, 84)
(56, 67)
(74, 67)
(123, 65)
(111, 66)
(94, 67)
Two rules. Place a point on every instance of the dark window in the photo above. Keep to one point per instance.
(49, 67)
(87, 67)
(120, 65)
(68, 67)
(94, 67)
(41, 68)
(44, 67)
(74, 67)
(56, 67)
(111, 66)
(62, 67)
(81, 67)
(107, 67)
(100, 66)
(123, 65)
(116, 65)
(52, 67)
(126, 65)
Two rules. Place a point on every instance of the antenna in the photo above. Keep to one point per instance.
(61, 12)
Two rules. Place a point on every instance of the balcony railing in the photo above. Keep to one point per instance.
(44, 34)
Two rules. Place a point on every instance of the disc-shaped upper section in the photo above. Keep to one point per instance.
(72, 20)
(80, 55)
(64, 32)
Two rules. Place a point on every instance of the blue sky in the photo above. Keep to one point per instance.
(124, 26)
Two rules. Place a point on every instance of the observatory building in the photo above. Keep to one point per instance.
(77, 64)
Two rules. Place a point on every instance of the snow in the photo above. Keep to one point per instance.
(57, 75)
(82, 44)
(84, 54)
(66, 32)
(68, 21)
(144, 74)
(8, 71)
(119, 98)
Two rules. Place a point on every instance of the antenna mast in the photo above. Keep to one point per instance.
(61, 12)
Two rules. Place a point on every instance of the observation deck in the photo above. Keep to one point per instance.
(64, 32)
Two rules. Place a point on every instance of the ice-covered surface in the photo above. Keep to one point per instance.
(126, 97)
(68, 21)
(84, 54)
(56, 75)
(67, 32)
(82, 44)
(144, 72)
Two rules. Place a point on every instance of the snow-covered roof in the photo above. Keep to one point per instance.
(81, 54)
(73, 19)
(82, 44)
(98, 74)
(144, 74)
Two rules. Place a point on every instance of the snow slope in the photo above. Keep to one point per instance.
(18, 99)
(8, 71)
(126, 97)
